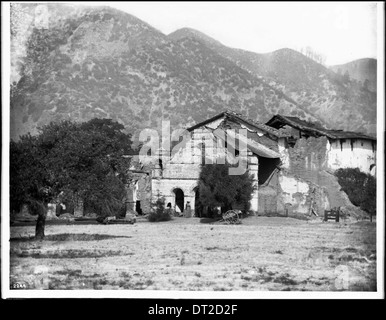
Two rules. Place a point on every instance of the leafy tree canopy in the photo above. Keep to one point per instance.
(81, 161)
(360, 188)
(219, 189)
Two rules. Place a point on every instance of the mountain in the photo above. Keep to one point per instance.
(100, 62)
(329, 96)
(363, 70)
(86, 62)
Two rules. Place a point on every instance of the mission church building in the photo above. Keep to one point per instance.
(287, 157)
(211, 140)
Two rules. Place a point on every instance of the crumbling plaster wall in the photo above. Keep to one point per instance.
(144, 192)
(267, 195)
(301, 196)
(299, 182)
(306, 179)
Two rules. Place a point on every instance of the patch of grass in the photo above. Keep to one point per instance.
(213, 248)
(266, 278)
(285, 279)
(261, 269)
(279, 252)
(56, 284)
(69, 273)
(125, 274)
(219, 289)
(244, 277)
(346, 258)
(149, 282)
(175, 282)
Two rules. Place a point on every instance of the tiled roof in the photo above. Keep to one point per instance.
(240, 118)
(279, 121)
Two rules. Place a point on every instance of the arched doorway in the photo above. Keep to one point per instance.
(179, 199)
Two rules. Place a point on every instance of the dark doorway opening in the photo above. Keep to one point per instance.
(138, 207)
(267, 168)
(179, 199)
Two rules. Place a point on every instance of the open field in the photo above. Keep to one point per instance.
(262, 253)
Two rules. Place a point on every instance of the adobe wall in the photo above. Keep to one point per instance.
(268, 192)
(351, 153)
(300, 196)
(267, 199)
(305, 179)
(308, 157)
(144, 192)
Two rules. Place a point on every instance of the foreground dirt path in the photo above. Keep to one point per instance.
(260, 254)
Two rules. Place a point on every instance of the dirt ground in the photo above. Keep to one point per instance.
(262, 253)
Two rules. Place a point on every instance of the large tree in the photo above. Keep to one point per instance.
(80, 162)
(30, 180)
(217, 188)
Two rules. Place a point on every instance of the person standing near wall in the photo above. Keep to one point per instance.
(188, 210)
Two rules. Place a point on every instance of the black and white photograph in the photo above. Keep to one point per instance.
(183, 150)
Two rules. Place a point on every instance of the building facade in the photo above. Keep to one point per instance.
(291, 162)
(337, 148)
(176, 179)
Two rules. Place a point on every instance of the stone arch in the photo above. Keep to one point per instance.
(193, 188)
(176, 187)
(179, 197)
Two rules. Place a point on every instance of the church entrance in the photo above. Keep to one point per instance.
(179, 194)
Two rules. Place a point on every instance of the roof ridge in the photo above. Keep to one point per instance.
(231, 113)
(330, 133)
(260, 125)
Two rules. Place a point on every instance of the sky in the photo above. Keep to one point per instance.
(341, 31)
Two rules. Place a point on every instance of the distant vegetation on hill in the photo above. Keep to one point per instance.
(87, 62)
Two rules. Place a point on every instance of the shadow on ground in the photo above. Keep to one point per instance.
(209, 220)
(70, 237)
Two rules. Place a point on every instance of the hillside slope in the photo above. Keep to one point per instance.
(361, 70)
(334, 99)
(87, 62)
(101, 62)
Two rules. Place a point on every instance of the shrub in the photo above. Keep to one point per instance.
(160, 213)
(217, 188)
(360, 188)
